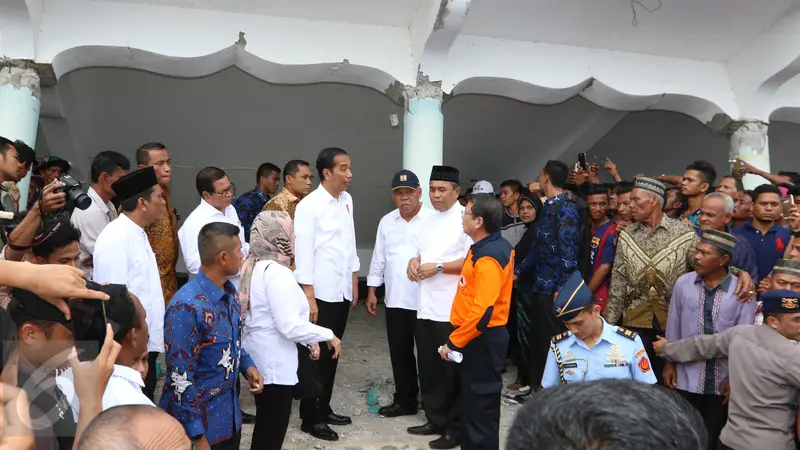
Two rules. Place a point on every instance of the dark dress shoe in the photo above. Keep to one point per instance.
(445, 442)
(248, 418)
(336, 419)
(425, 430)
(320, 431)
(395, 410)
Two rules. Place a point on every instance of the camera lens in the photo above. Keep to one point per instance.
(81, 200)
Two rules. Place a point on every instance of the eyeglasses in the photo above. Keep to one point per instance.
(231, 190)
(464, 213)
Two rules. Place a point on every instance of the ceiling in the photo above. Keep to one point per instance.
(709, 30)
(368, 12)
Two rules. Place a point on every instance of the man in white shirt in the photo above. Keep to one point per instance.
(216, 194)
(122, 255)
(125, 311)
(395, 244)
(441, 249)
(327, 267)
(107, 168)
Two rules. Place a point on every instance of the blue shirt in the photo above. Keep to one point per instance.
(202, 340)
(607, 255)
(768, 248)
(618, 354)
(554, 250)
(247, 207)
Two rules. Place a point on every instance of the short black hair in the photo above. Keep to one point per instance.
(624, 187)
(265, 170)
(205, 179)
(766, 189)
(65, 234)
(5, 145)
(793, 176)
(515, 185)
(325, 159)
(143, 152)
(210, 241)
(108, 162)
(751, 194)
(707, 171)
(120, 311)
(8, 338)
(597, 189)
(490, 209)
(130, 204)
(558, 173)
(737, 181)
(292, 167)
(586, 416)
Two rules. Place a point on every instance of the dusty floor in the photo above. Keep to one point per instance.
(365, 367)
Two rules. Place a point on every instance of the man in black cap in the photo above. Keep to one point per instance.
(704, 302)
(785, 275)
(52, 168)
(764, 366)
(440, 252)
(394, 246)
(15, 161)
(123, 255)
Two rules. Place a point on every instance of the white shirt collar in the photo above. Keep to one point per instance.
(128, 374)
(126, 219)
(97, 200)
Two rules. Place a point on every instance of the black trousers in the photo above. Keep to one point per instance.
(151, 379)
(273, 410)
(332, 315)
(543, 326)
(438, 380)
(513, 350)
(649, 335)
(230, 444)
(401, 330)
(714, 413)
(481, 385)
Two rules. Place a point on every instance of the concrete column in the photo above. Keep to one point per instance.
(749, 142)
(423, 131)
(19, 112)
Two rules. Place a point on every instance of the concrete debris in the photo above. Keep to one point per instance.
(19, 78)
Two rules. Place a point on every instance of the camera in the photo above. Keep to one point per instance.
(76, 196)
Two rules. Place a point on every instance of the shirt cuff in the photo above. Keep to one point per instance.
(374, 281)
(195, 428)
(453, 346)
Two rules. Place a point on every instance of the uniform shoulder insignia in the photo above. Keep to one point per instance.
(627, 333)
(561, 336)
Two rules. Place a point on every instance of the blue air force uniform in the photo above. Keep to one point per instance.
(618, 353)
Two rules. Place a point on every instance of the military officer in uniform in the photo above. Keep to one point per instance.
(591, 349)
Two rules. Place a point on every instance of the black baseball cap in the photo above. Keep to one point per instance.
(405, 179)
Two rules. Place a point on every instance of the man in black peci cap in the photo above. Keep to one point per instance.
(123, 255)
(394, 246)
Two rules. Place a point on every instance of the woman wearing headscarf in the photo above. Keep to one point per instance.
(530, 207)
(276, 316)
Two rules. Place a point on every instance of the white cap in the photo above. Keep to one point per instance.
(482, 187)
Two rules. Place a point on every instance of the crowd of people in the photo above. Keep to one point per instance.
(679, 281)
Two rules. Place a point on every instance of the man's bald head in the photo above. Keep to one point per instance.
(134, 427)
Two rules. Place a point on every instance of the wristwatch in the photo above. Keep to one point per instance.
(439, 268)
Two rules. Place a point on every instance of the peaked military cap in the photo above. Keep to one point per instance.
(781, 301)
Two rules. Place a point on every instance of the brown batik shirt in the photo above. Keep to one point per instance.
(163, 237)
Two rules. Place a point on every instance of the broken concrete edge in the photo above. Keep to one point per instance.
(20, 77)
(424, 89)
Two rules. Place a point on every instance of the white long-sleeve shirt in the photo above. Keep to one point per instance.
(122, 255)
(124, 388)
(395, 245)
(325, 245)
(442, 240)
(276, 320)
(189, 232)
(90, 222)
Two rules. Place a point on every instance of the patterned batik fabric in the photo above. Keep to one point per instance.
(285, 201)
(163, 237)
(247, 208)
(204, 355)
(645, 269)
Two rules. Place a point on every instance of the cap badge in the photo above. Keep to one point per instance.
(789, 303)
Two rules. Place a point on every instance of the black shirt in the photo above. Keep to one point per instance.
(54, 426)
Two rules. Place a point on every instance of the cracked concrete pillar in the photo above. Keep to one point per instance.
(750, 143)
(423, 131)
(19, 111)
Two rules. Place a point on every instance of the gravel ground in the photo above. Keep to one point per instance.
(364, 374)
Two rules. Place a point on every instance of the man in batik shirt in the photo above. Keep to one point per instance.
(296, 185)
(163, 235)
(203, 344)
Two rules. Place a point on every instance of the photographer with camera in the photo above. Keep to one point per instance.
(16, 159)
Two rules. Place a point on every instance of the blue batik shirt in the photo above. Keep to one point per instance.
(203, 345)
(247, 207)
(556, 242)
